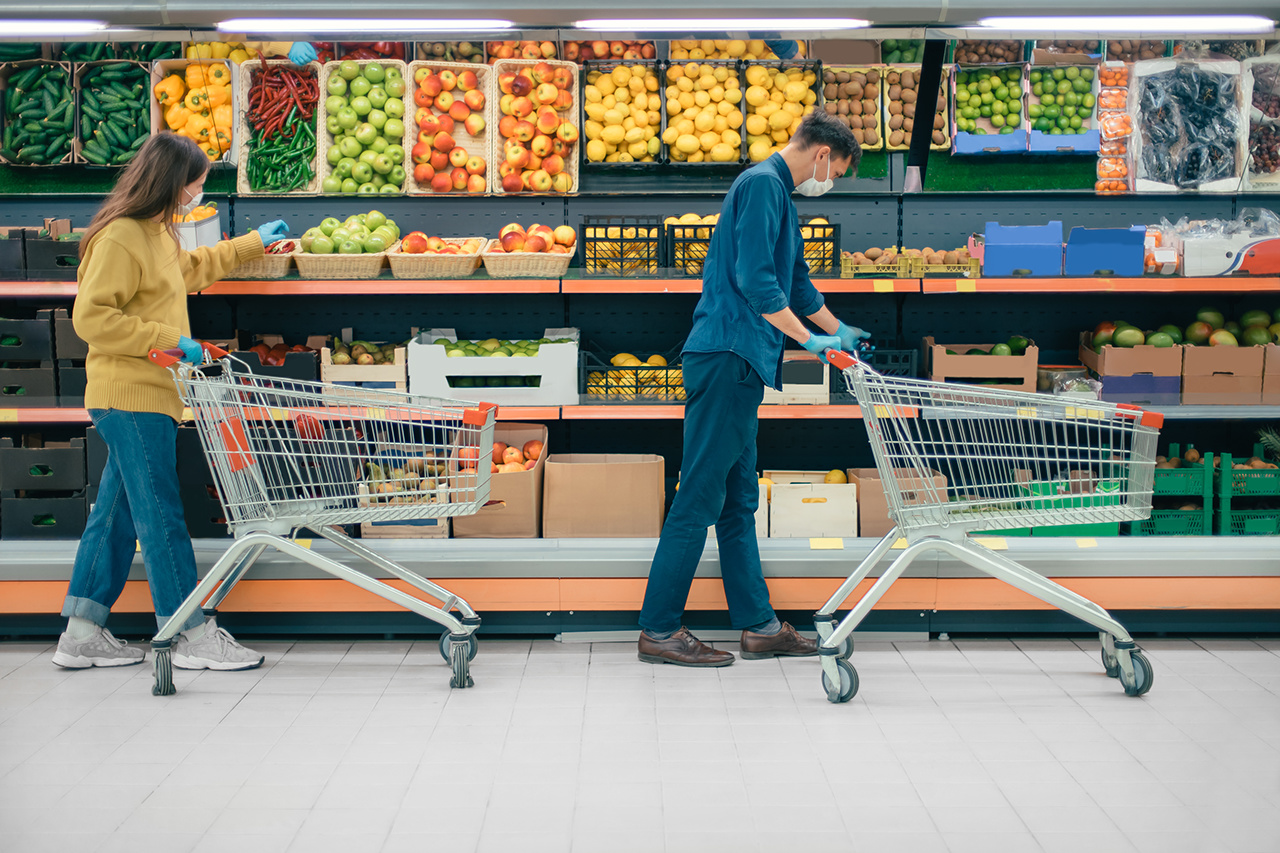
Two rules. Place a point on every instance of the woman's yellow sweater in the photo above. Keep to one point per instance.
(132, 297)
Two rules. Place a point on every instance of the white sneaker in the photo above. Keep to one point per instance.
(216, 650)
(101, 649)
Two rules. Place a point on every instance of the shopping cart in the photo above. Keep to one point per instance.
(289, 455)
(956, 459)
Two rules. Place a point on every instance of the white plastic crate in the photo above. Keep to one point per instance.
(555, 366)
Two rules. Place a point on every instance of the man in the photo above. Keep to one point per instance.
(755, 289)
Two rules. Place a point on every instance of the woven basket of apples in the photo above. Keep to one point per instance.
(540, 252)
(421, 256)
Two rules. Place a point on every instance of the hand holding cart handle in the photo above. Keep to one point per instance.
(170, 357)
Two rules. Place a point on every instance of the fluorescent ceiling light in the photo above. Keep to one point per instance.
(51, 28)
(718, 25)
(1172, 24)
(359, 25)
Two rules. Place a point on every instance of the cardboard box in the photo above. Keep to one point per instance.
(1088, 140)
(806, 379)
(1223, 376)
(1022, 249)
(52, 260)
(945, 367)
(13, 263)
(804, 505)
(73, 379)
(297, 365)
(205, 232)
(1142, 375)
(1235, 254)
(993, 142)
(29, 387)
(162, 68)
(555, 368)
(1271, 375)
(603, 496)
(1105, 251)
(67, 345)
(389, 377)
(514, 509)
(873, 505)
(422, 528)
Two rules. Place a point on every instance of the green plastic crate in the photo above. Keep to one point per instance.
(1103, 529)
(1250, 483)
(1173, 522)
(1237, 519)
(1249, 522)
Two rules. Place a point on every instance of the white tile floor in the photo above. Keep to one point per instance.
(994, 746)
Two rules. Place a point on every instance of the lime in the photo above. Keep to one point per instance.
(1002, 349)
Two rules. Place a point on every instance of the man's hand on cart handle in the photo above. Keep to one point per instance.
(168, 358)
(817, 344)
(841, 360)
(850, 337)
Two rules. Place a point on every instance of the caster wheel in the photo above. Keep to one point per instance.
(461, 663)
(1143, 675)
(1110, 663)
(163, 665)
(473, 645)
(848, 683)
(846, 649)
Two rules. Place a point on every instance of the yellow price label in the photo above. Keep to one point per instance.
(278, 415)
(304, 543)
(965, 285)
(375, 414)
(1074, 412)
(8, 416)
(882, 411)
(899, 545)
(1026, 411)
(995, 543)
(882, 285)
(1087, 542)
(187, 414)
(826, 544)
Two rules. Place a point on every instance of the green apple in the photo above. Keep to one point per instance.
(396, 153)
(321, 245)
(331, 124)
(383, 165)
(328, 225)
(397, 177)
(366, 134)
(340, 234)
(361, 105)
(309, 235)
(331, 184)
(378, 180)
(337, 86)
(334, 155)
(394, 107)
(360, 86)
(378, 119)
(376, 243)
(395, 86)
(350, 247)
(391, 223)
(349, 146)
(343, 169)
(379, 145)
(374, 72)
(368, 156)
(377, 97)
(349, 185)
(347, 117)
(389, 189)
(367, 189)
(375, 219)
(393, 73)
(349, 69)
(394, 128)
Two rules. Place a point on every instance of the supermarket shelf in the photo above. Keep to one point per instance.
(631, 285)
(1227, 413)
(1149, 284)
(867, 285)
(632, 411)
(47, 415)
(19, 289)
(294, 287)
(528, 413)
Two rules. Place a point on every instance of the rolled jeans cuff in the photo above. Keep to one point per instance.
(85, 608)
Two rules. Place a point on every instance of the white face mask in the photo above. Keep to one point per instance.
(813, 187)
(184, 209)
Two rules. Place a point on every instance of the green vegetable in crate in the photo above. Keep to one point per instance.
(1062, 99)
(281, 112)
(38, 115)
(893, 51)
(993, 97)
(115, 118)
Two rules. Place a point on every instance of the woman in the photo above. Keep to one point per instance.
(132, 297)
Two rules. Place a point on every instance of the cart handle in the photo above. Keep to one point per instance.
(170, 357)
(842, 360)
(1155, 420)
(479, 415)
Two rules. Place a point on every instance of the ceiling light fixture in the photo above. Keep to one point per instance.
(358, 25)
(719, 25)
(51, 29)
(1106, 24)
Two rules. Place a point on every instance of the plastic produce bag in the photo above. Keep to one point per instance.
(1189, 122)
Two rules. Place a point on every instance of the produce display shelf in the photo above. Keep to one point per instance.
(631, 285)
(1148, 284)
(296, 287)
(57, 415)
(867, 285)
(20, 289)
(658, 412)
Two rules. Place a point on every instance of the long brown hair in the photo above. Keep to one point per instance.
(152, 183)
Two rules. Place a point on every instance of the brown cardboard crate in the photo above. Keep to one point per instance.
(944, 367)
(1271, 375)
(393, 376)
(804, 505)
(514, 509)
(873, 506)
(1223, 376)
(603, 495)
(427, 528)
(1130, 361)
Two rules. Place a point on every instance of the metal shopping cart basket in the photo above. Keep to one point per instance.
(289, 455)
(1009, 459)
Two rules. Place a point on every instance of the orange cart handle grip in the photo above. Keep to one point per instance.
(840, 359)
(170, 357)
(479, 415)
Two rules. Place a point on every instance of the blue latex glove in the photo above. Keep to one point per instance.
(192, 352)
(784, 49)
(301, 52)
(273, 231)
(817, 344)
(850, 336)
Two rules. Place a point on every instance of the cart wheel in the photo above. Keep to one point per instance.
(848, 683)
(473, 645)
(460, 661)
(1110, 663)
(1143, 675)
(846, 649)
(163, 665)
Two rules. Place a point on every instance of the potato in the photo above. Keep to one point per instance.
(897, 137)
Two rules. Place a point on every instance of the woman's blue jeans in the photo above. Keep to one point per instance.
(138, 502)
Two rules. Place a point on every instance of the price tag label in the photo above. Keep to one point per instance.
(882, 285)
(966, 285)
(305, 543)
(899, 545)
(8, 416)
(1087, 542)
(826, 544)
(1092, 414)
(995, 543)
(1026, 411)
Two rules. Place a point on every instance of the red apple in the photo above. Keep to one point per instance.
(446, 123)
(541, 145)
(547, 49)
(562, 183)
(504, 104)
(543, 72)
(544, 231)
(562, 78)
(476, 184)
(443, 142)
(474, 124)
(559, 146)
(474, 99)
(513, 241)
(448, 80)
(435, 244)
(444, 101)
(431, 84)
(525, 131)
(564, 100)
(476, 165)
(517, 156)
(507, 126)
(565, 236)
(548, 121)
(553, 164)
(459, 111)
(421, 98)
(510, 226)
(506, 81)
(421, 74)
(441, 183)
(521, 107)
(421, 152)
(423, 173)
(535, 162)
(546, 93)
(458, 157)
(521, 86)
(540, 181)
(600, 48)
(506, 168)
(567, 132)
(439, 160)
(467, 81)
(429, 124)
(458, 177)
(414, 243)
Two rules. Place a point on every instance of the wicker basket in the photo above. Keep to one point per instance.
(245, 131)
(573, 115)
(476, 146)
(435, 266)
(268, 266)
(333, 267)
(324, 141)
(524, 264)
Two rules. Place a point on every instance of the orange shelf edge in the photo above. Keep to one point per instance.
(1149, 284)
(867, 285)
(382, 286)
(15, 289)
(631, 285)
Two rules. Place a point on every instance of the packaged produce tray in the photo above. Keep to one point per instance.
(900, 267)
(435, 266)
(250, 70)
(477, 145)
(594, 120)
(501, 264)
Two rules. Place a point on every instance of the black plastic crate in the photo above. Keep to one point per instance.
(95, 451)
(193, 468)
(687, 246)
(73, 378)
(821, 245)
(53, 469)
(203, 512)
(13, 260)
(52, 260)
(622, 245)
(736, 69)
(893, 362)
(27, 338)
(28, 387)
(606, 66)
(66, 343)
(42, 517)
(602, 381)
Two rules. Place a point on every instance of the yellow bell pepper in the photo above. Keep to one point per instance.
(221, 50)
(218, 95)
(219, 75)
(197, 76)
(222, 136)
(176, 116)
(200, 50)
(198, 127)
(211, 151)
(239, 55)
(222, 116)
(197, 100)
(169, 90)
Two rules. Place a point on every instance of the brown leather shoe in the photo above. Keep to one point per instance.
(786, 643)
(681, 649)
